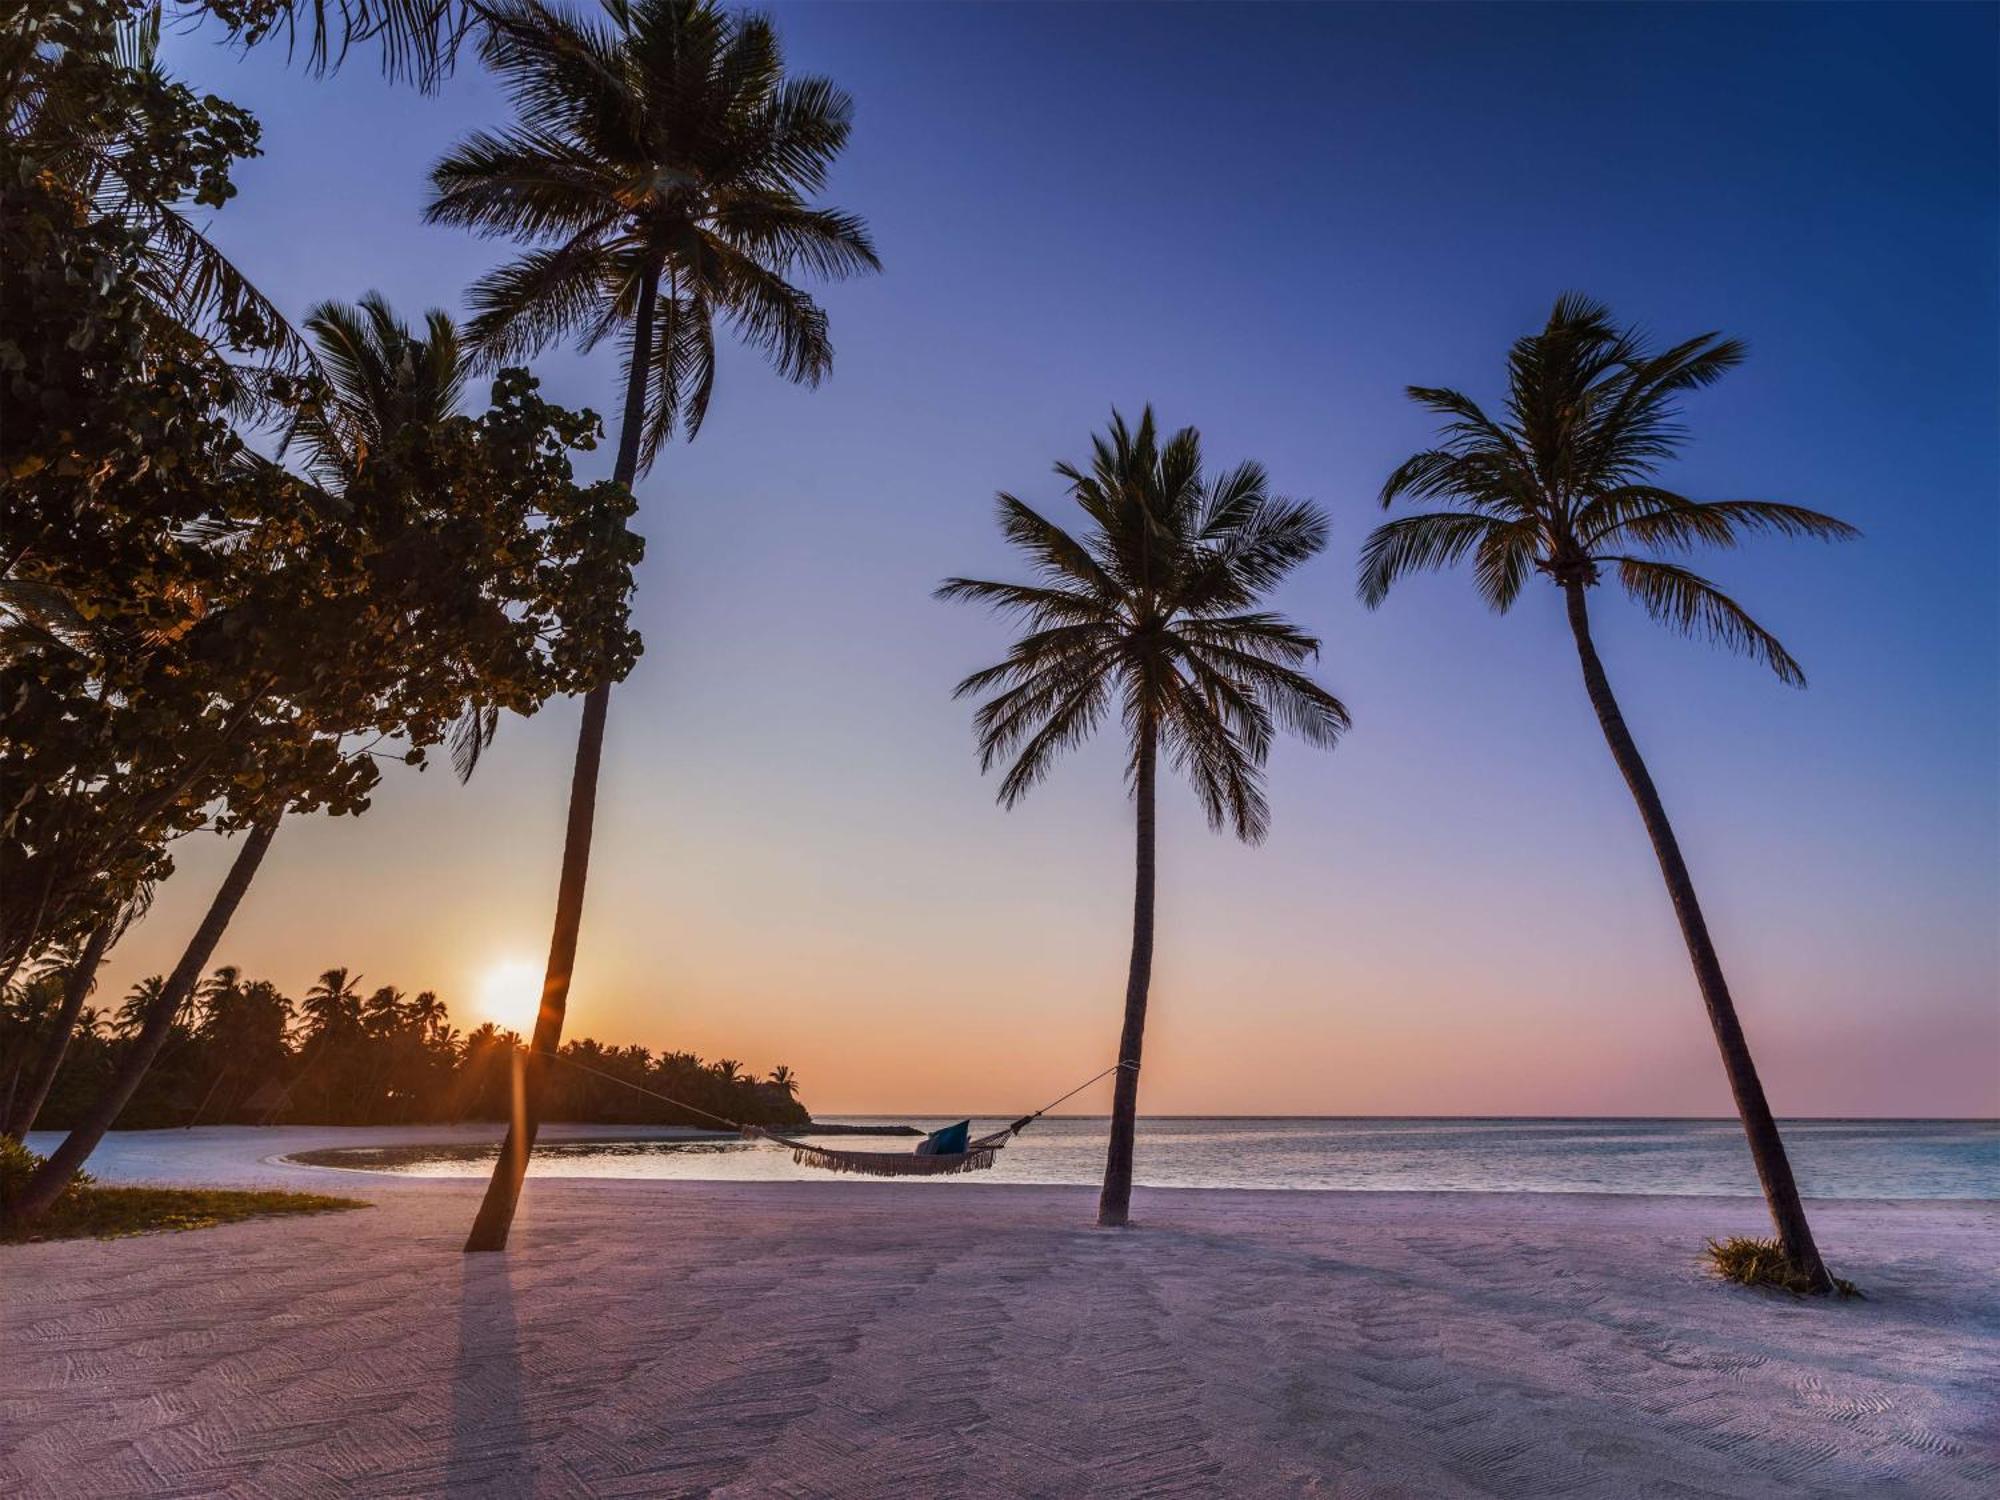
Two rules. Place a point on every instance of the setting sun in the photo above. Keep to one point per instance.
(510, 994)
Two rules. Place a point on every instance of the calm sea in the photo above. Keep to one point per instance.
(1833, 1158)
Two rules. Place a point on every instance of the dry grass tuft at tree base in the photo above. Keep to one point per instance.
(1762, 1263)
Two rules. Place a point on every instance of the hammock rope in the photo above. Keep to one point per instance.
(977, 1156)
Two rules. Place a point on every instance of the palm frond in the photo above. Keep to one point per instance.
(1417, 544)
(1262, 633)
(1269, 538)
(418, 39)
(1289, 696)
(787, 235)
(38, 614)
(1056, 554)
(1220, 762)
(1654, 517)
(1695, 607)
(683, 372)
(527, 182)
(1043, 606)
(1039, 687)
(1068, 723)
(472, 734)
(544, 296)
(774, 317)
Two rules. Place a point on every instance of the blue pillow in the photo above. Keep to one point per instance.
(950, 1141)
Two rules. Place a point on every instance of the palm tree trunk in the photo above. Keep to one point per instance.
(75, 991)
(503, 1189)
(1114, 1205)
(1767, 1148)
(47, 1183)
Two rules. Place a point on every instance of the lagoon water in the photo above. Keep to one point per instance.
(1833, 1158)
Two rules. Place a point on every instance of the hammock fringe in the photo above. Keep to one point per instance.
(892, 1163)
(883, 1163)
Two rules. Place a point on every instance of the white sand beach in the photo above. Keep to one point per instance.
(863, 1340)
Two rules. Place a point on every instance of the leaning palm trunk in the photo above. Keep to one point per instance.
(1114, 1205)
(48, 1183)
(503, 1189)
(1767, 1148)
(76, 989)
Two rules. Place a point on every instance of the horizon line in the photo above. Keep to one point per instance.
(1002, 1114)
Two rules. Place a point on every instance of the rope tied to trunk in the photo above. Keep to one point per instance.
(978, 1155)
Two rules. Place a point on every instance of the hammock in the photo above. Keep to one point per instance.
(976, 1157)
(926, 1161)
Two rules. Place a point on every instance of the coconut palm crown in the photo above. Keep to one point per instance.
(662, 165)
(1562, 483)
(380, 379)
(1153, 610)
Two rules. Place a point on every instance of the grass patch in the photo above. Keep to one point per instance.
(109, 1213)
(1763, 1264)
(87, 1211)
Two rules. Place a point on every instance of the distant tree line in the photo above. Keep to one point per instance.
(242, 1052)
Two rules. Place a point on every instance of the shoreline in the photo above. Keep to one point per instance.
(266, 1156)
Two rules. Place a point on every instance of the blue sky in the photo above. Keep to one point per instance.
(1266, 221)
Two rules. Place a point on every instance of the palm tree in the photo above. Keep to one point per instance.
(142, 996)
(662, 166)
(784, 1078)
(382, 378)
(428, 1013)
(1562, 485)
(160, 1015)
(332, 1006)
(384, 1012)
(80, 980)
(223, 984)
(245, 1022)
(1153, 610)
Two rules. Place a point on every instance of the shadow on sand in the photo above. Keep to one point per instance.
(490, 1441)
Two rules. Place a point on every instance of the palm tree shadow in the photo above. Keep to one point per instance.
(489, 1454)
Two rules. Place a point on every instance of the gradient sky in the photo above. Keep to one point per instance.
(1265, 221)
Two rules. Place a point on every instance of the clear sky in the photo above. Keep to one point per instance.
(1266, 221)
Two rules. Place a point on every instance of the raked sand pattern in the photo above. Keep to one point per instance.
(860, 1340)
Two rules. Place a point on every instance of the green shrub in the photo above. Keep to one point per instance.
(1763, 1263)
(18, 1164)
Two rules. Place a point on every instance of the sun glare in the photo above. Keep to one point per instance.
(511, 993)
